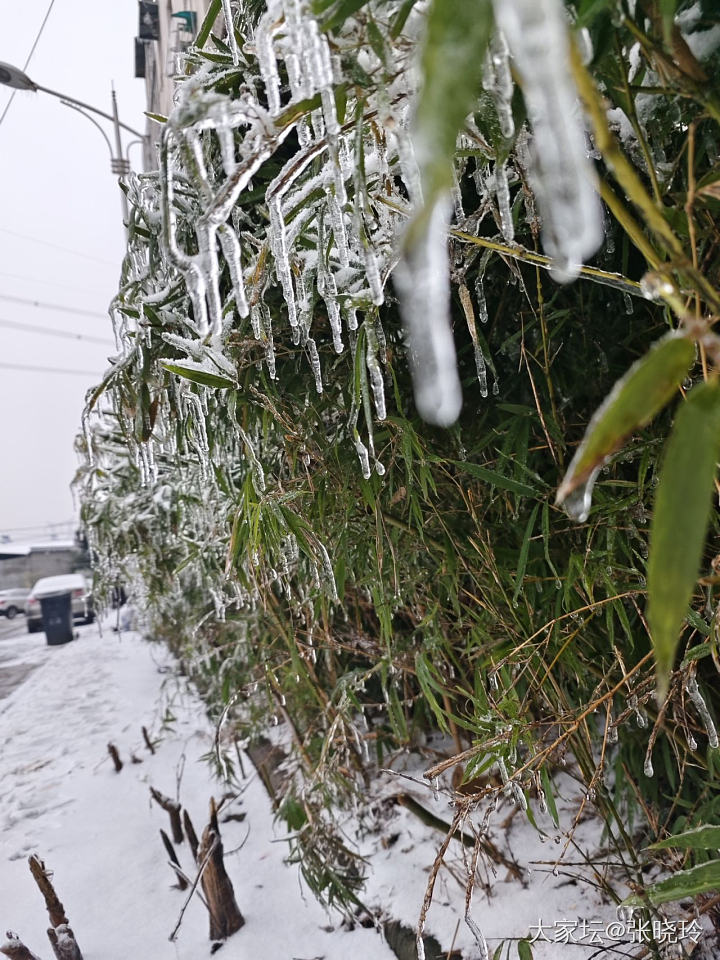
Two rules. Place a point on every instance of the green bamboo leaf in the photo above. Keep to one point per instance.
(495, 479)
(524, 950)
(455, 42)
(549, 796)
(680, 520)
(207, 24)
(343, 10)
(523, 555)
(634, 400)
(706, 837)
(684, 883)
(198, 373)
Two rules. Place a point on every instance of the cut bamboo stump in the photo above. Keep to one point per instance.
(191, 835)
(61, 937)
(173, 811)
(62, 940)
(174, 862)
(148, 742)
(16, 949)
(117, 762)
(225, 916)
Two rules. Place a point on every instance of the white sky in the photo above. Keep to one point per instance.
(56, 186)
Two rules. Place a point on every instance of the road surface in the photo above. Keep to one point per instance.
(20, 653)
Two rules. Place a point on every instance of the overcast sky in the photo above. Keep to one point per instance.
(61, 242)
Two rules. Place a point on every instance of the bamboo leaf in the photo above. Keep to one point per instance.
(684, 883)
(634, 400)
(524, 950)
(549, 796)
(495, 479)
(198, 373)
(455, 41)
(207, 24)
(680, 520)
(523, 555)
(700, 838)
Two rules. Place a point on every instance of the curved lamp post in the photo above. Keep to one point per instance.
(11, 76)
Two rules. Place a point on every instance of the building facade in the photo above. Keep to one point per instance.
(165, 32)
(22, 564)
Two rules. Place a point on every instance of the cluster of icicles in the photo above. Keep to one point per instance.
(333, 208)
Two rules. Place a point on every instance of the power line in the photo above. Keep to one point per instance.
(31, 369)
(29, 57)
(54, 306)
(58, 246)
(41, 280)
(51, 332)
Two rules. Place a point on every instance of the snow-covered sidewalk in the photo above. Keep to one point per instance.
(98, 831)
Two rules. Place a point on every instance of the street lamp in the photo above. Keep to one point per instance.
(13, 77)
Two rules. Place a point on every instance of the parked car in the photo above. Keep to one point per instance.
(73, 583)
(12, 602)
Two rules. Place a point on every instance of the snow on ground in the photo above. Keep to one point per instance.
(97, 830)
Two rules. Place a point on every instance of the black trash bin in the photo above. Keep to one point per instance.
(57, 618)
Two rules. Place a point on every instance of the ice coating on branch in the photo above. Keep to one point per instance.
(537, 35)
(422, 280)
(497, 80)
(693, 692)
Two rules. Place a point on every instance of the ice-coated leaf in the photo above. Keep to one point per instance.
(198, 373)
(456, 38)
(680, 520)
(684, 883)
(706, 837)
(634, 400)
(455, 42)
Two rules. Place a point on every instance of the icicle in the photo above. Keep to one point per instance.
(536, 33)
(269, 342)
(648, 766)
(374, 371)
(282, 258)
(338, 228)
(422, 282)
(315, 363)
(697, 698)
(327, 289)
(372, 272)
(612, 734)
(362, 452)
(256, 471)
(502, 193)
(231, 250)
(196, 288)
(266, 60)
(502, 85)
(628, 303)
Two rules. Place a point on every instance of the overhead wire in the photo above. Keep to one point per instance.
(29, 57)
(29, 368)
(58, 246)
(52, 332)
(42, 280)
(54, 306)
